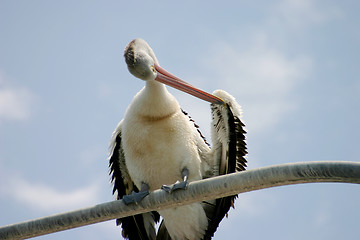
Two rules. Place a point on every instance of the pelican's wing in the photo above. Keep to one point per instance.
(229, 150)
(135, 227)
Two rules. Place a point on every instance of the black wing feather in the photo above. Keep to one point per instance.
(236, 151)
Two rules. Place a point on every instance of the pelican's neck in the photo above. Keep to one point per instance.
(156, 91)
(155, 101)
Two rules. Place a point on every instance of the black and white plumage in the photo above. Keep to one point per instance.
(157, 144)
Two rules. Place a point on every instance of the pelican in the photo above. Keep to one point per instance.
(157, 145)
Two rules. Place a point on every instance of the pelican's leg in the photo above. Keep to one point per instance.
(136, 197)
(178, 185)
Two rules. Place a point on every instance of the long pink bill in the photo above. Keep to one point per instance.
(169, 79)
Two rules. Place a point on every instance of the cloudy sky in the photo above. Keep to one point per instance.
(293, 65)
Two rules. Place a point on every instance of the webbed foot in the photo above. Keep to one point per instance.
(176, 186)
(135, 197)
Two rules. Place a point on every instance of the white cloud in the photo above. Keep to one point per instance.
(15, 102)
(257, 68)
(322, 216)
(262, 77)
(42, 197)
(300, 14)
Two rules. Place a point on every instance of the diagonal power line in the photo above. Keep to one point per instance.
(221, 186)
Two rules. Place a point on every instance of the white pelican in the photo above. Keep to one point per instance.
(157, 145)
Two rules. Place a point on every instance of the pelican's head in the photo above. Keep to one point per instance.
(142, 63)
(140, 59)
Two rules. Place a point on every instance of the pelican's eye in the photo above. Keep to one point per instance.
(153, 69)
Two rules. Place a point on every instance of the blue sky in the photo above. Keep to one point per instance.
(294, 66)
